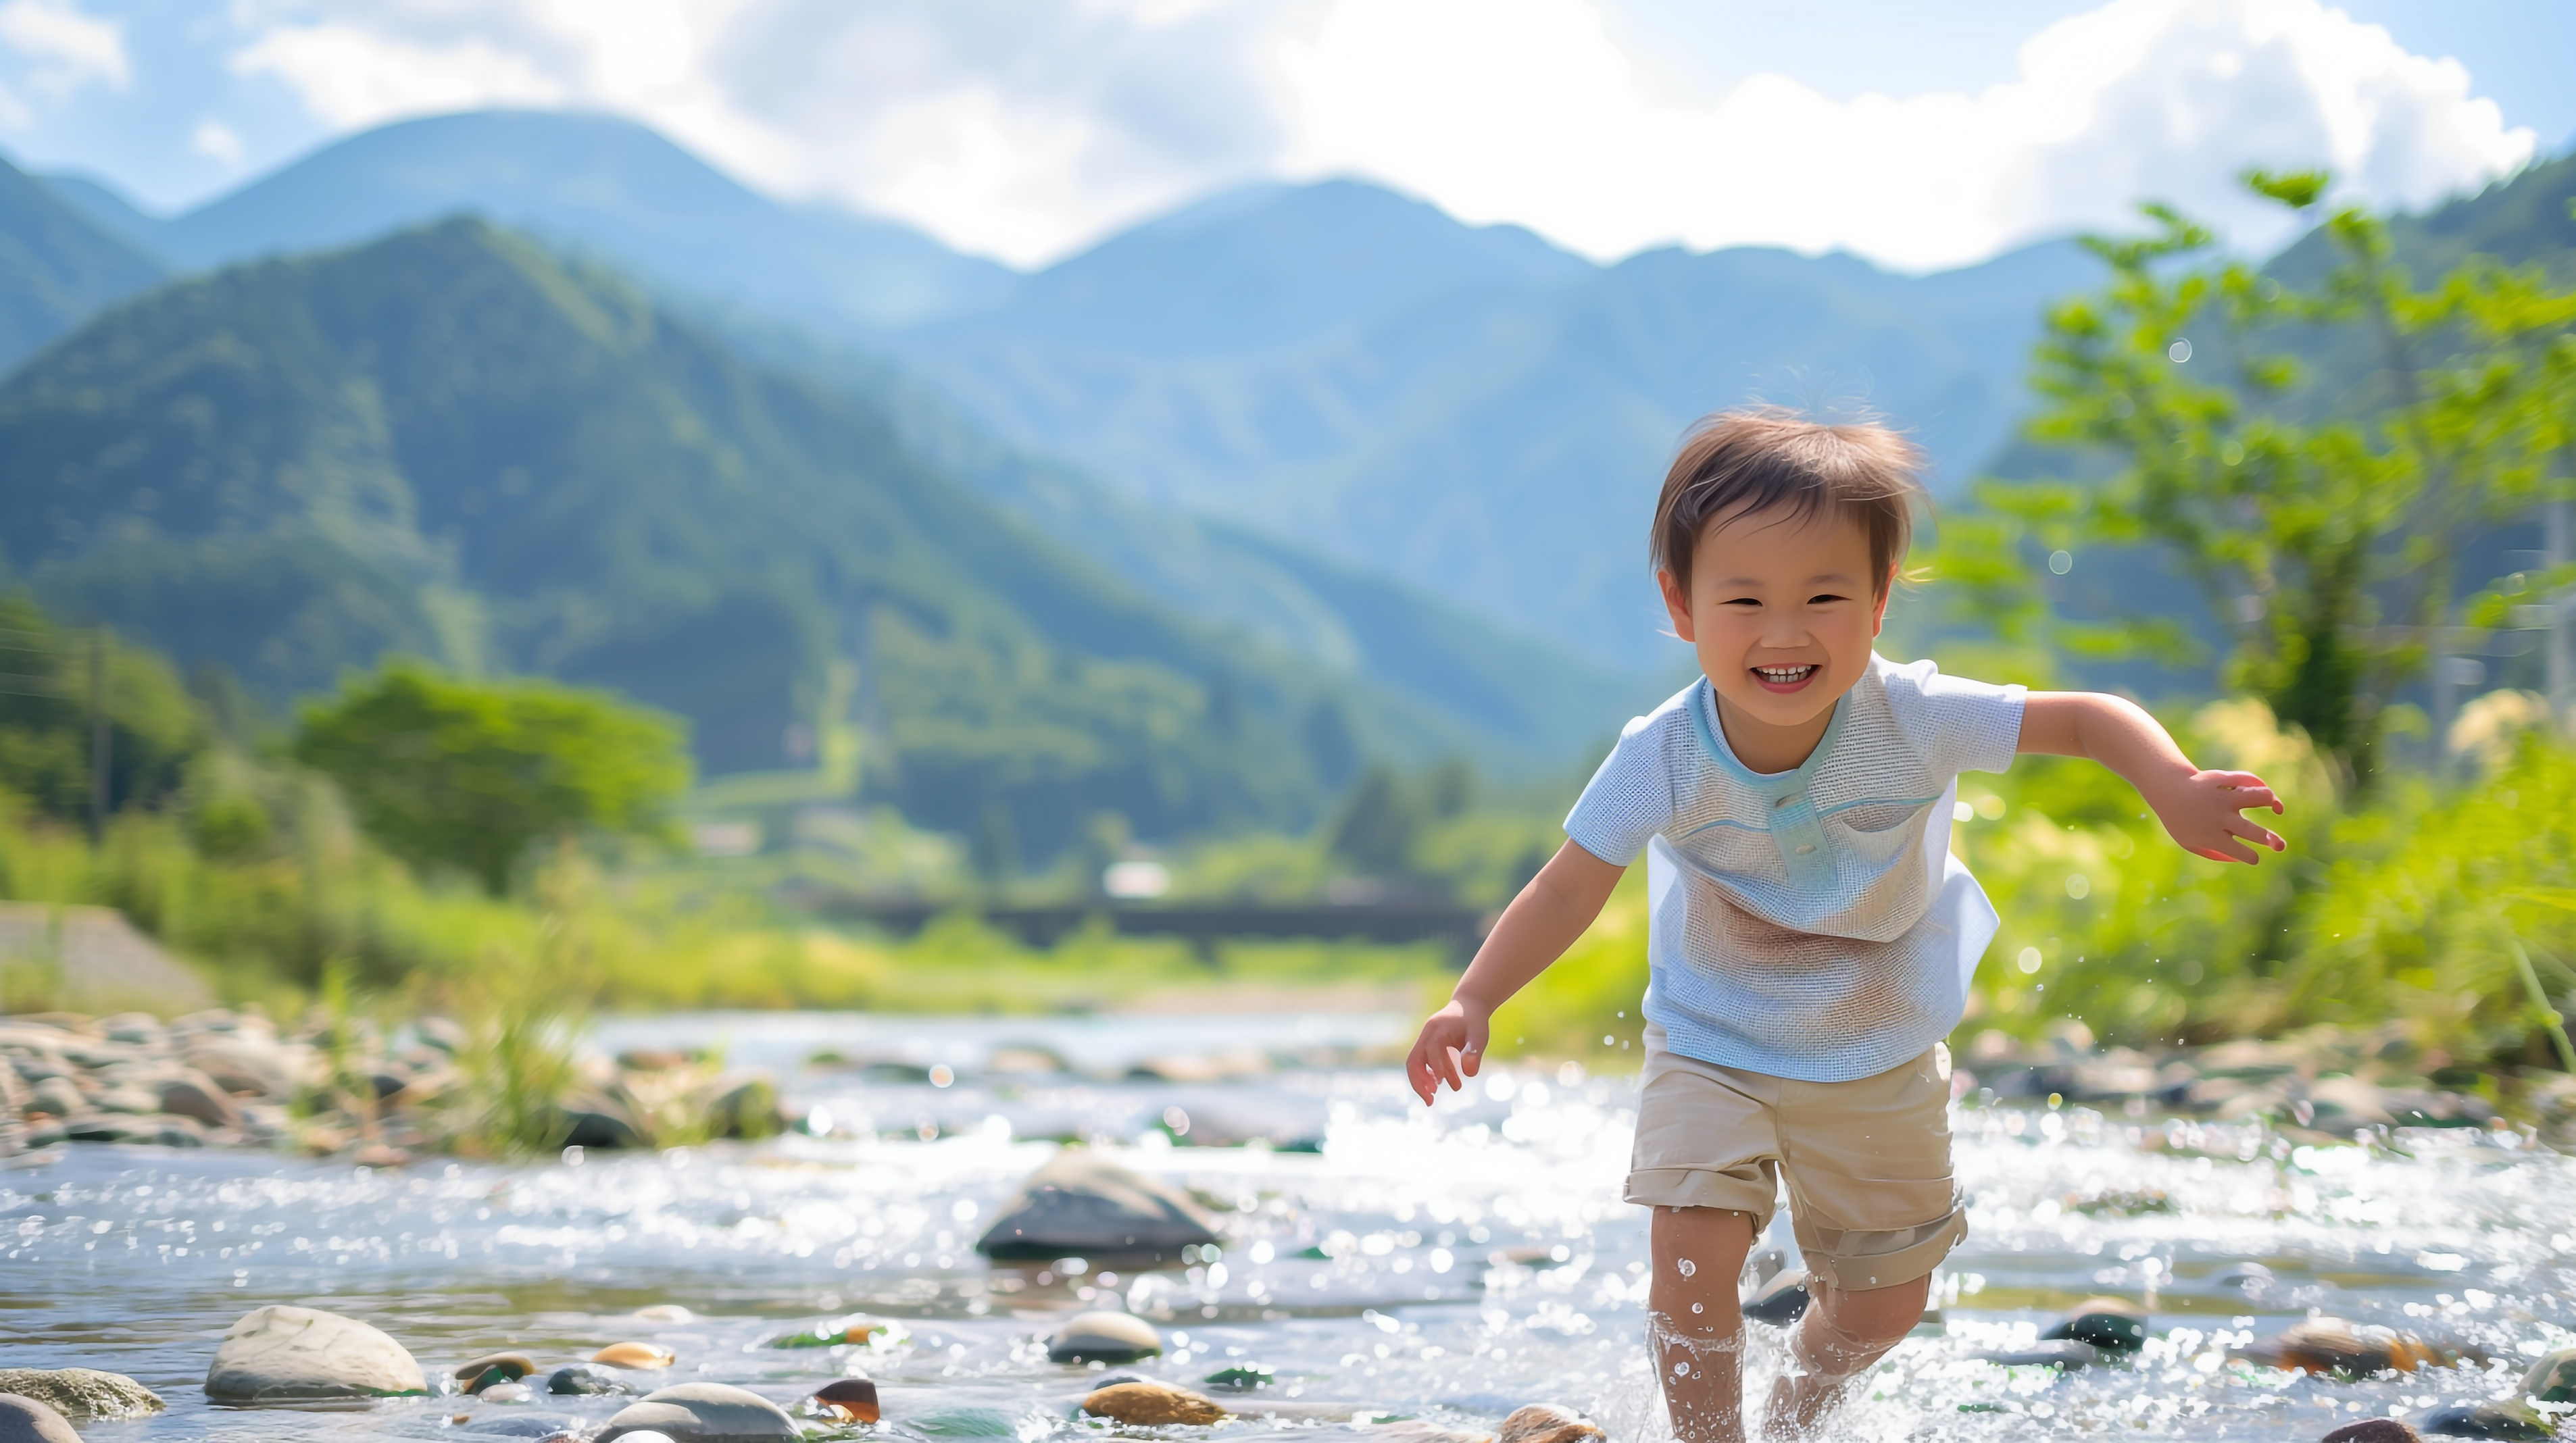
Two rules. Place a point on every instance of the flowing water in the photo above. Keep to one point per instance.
(1444, 1267)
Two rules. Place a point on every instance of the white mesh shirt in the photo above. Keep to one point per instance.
(1810, 924)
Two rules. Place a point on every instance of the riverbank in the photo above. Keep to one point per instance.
(382, 1096)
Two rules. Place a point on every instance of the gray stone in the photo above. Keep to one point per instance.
(57, 1096)
(2114, 1325)
(581, 1378)
(2514, 1421)
(1104, 1338)
(82, 1392)
(286, 1354)
(1781, 1300)
(193, 1094)
(1080, 1206)
(702, 1413)
(2060, 1353)
(157, 1129)
(24, 1420)
(244, 1062)
(2553, 1378)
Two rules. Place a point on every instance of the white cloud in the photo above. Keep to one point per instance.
(68, 48)
(216, 140)
(352, 76)
(1526, 110)
(1024, 129)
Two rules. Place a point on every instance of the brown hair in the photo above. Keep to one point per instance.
(1755, 460)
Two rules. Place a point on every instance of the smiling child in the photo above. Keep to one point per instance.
(1811, 935)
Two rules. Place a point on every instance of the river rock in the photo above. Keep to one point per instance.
(1104, 1338)
(2066, 1353)
(856, 1396)
(1151, 1405)
(193, 1094)
(287, 1354)
(481, 1373)
(832, 1334)
(2375, 1430)
(1242, 1377)
(1080, 1206)
(82, 1392)
(1546, 1423)
(503, 1392)
(2331, 1345)
(2112, 1324)
(1781, 1300)
(2551, 1380)
(244, 1062)
(2512, 1420)
(635, 1355)
(56, 1097)
(586, 1378)
(703, 1413)
(24, 1420)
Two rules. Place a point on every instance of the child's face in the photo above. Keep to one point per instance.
(1782, 610)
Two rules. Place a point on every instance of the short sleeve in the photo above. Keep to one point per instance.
(1956, 724)
(1627, 801)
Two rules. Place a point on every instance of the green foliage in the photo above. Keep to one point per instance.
(463, 774)
(153, 727)
(2405, 903)
(2315, 458)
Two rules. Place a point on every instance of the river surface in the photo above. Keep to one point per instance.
(1445, 1267)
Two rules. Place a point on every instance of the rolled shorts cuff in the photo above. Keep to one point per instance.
(1847, 1261)
(1694, 1187)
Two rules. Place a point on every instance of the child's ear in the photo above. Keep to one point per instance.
(1886, 592)
(1676, 603)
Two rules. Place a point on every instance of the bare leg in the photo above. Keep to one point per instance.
(1840, 1336)
(1696, 1331)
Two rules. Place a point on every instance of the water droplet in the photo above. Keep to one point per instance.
(1687, 1266)
(1698, 1308)
(2178, 352)
(1681, 1370)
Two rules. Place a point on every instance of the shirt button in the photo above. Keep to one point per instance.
(1805, 847)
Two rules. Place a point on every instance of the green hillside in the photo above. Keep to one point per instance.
(57, 265)
(452, 444)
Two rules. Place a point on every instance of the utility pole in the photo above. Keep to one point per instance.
(98, 736)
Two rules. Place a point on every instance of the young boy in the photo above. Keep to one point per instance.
(1811, 935)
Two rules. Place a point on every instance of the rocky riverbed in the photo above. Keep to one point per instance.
(1358, 1266)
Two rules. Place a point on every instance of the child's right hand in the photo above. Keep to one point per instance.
(1450, 1049)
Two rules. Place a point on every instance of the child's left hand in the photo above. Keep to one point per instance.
(2205, 813)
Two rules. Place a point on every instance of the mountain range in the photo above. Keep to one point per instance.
(452, 442)
(1179, 526)
(1468, 411)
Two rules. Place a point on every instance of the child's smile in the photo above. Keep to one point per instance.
(1782, 609)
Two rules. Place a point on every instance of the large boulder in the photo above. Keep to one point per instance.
(24, 1420)
(1079, 1205)
(703, 1413)
(82, 1392)
(281, 1354)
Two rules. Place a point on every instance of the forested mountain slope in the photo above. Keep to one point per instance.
(453, 444)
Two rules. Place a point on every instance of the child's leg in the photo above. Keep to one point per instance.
(1842, 1333)
(1696, 1332)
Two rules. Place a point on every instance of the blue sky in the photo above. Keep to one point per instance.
(1921, 135)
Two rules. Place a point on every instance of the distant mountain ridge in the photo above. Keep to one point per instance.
(452, 443)
(587, 182)
(58, 266)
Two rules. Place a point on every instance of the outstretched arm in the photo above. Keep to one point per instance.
(2203, 810)
(1534, 931)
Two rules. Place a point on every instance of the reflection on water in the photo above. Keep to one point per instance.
(1447, 1266)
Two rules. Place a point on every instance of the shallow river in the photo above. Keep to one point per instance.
(1472, 1259)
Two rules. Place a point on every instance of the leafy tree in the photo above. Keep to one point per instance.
(467, 774)
(2315, 455)
(154, 727)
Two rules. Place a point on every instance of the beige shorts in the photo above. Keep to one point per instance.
(1871, 1198)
